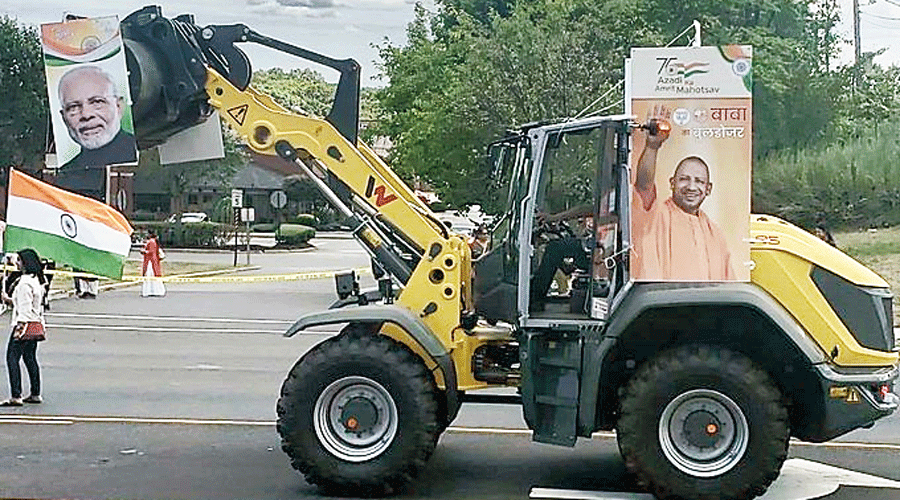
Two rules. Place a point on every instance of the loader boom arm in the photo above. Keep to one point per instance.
(171, 55)
(181, 72)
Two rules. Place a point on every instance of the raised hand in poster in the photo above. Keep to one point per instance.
(675, 239)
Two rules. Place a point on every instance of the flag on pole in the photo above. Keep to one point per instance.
(65, 227)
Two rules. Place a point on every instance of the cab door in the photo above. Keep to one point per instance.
(581, 173)
(573, 250)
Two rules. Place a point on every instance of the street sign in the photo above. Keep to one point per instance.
(237, 198)
(278, 199)
(122, 200)
(248, 214)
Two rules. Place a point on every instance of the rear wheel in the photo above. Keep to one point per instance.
(357, 415)
(703, 422)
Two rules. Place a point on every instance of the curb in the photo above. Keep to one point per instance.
(336, 235)
(240, 251)
(125, 284)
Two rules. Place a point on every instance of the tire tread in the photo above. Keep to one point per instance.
(736, 367)
(316, 464)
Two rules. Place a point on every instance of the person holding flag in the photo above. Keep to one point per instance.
(27, 299)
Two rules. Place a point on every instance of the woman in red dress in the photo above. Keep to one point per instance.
(152, 270)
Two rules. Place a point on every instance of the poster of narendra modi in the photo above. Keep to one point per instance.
(87, 83)
(690, 170)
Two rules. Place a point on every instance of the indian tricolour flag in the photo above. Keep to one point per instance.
(65, 227)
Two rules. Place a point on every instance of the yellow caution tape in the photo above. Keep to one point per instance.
(215, 279)
(57, 272)
(244, 279)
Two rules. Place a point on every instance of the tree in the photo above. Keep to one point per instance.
(180, 177)
(306, 92)
(24, 117)
(480, 10)
(476, 67)
(300, 90)
(793, 45)
(454, 89)
(303, 191)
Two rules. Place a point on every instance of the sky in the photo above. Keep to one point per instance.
(336, 28)
(349, 28)
(879, 26)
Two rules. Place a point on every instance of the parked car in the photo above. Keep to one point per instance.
(457, 222)
(190, 217)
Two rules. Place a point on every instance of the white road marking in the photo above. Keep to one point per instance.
(287, 322)
(140, 320)
(844, 476)
(204, 367)
(62, 419)
(15, 420)
(800, 479)
(804, 479)
(555, 493)
(160, 329)
(849, 444)
(170, 329)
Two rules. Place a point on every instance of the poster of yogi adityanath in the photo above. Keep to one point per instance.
(691, 179)
(84, 61)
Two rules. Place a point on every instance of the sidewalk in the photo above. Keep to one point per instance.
(61, 294)
(334, 251)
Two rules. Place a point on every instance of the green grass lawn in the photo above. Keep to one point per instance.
(133, 268)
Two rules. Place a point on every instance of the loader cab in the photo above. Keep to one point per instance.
(559, 251)
(496, 281)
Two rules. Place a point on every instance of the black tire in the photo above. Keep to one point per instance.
(703, 422)
(374, 383)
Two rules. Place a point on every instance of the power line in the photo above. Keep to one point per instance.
(873, 23)
(880, 17)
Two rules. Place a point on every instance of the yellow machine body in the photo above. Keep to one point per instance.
(443, 280)
(784, 256)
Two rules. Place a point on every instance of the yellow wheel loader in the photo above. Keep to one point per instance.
(703, 382)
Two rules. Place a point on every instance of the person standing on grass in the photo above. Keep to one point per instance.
(152, 268)
(28, 307)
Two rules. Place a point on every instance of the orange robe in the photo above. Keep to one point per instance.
(671, 244)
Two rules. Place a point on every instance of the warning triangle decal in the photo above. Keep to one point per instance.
(239, 113)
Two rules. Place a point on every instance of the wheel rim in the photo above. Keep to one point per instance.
(355, 419)
(703, 433)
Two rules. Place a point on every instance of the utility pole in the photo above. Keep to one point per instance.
(857, 51)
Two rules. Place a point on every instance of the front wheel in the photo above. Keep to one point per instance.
(703, 422)
(357, 415)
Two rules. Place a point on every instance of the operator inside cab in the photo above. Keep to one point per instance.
(575, 224)
(566, 256)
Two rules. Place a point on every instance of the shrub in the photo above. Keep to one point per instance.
(221, 211)
(194, 234)
(850, 184)
(143, 216)
(295, 234)
(308, 220)
(439, 206)
(264, 228)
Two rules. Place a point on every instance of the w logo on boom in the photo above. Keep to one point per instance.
(380, 198)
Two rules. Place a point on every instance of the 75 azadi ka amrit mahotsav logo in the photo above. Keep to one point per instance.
(671, 70)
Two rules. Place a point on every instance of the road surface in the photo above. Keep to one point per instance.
(175, 397)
